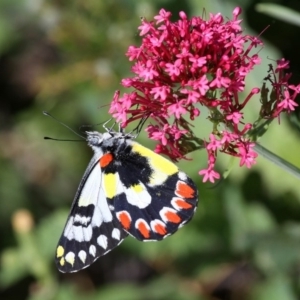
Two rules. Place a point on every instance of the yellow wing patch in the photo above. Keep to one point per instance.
(138, 188)
(60, 251)
(161, 167)
(110, 181)
(62, 261)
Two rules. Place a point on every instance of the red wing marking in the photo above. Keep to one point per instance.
(184, 190)
(105, 160)
(143, 228)
(124, 219)
(183, 204)
(160, 229)
(172, 217)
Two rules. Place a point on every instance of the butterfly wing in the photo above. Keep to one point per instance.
(92, 229)
(129, 188)
(151, 197)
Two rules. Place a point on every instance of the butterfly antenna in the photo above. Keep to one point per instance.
(63, 124)
(61, 140)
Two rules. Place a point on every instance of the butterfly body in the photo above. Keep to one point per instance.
(126, 189)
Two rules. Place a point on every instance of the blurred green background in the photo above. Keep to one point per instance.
(67, 57)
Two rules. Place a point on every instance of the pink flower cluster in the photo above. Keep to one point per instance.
(183, 66)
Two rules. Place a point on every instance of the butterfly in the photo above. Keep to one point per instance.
(126, 189)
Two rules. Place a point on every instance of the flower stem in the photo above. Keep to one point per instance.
(277, 160)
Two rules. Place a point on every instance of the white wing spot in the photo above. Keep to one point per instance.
(70, 258)
(82, 255)
(102, 241)
(182, 176)
(139, 197)
(82, 219)
(92, 250)
(182, 224)
(165, 236)
(116, 233)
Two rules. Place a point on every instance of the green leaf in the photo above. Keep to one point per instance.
(13, 267)
(276, 287)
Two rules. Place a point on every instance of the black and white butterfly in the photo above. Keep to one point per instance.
(126, 189)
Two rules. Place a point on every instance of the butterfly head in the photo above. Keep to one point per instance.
(95, 138)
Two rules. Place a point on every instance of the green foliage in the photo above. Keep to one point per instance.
(67, 57)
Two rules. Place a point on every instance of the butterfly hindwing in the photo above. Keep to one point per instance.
(151, 198)
(92, 229)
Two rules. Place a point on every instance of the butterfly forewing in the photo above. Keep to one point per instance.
(92, 229)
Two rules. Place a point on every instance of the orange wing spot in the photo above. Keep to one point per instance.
(105, 160)
(183, 204)
(143, 230)
(184, 190)
(160, 229)
(124, 219)
(172, 217)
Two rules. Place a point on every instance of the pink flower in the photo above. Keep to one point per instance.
(220, 81)
(198, 61)
(192, 97)
(160, 92)
(200, 84)
(177, 109)
(186, 66)
(214, 144)
(163, 16)
(235, 117)
(282, 64)
(209, 175)
(147, 71)
(287, 103)
(247, 154)
(174, 69)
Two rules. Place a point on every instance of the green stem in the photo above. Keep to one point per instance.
(277, 160)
